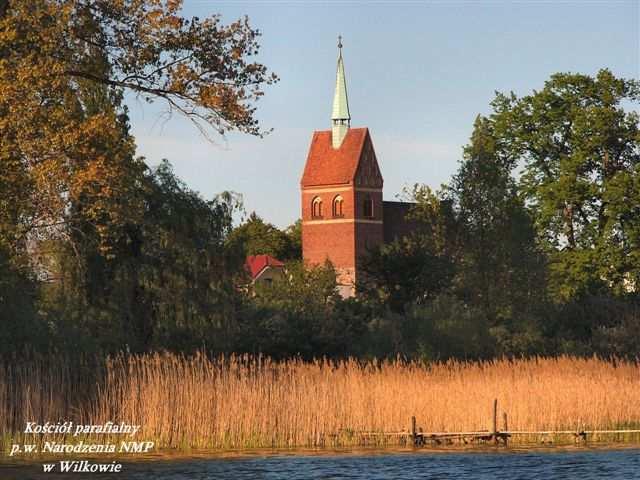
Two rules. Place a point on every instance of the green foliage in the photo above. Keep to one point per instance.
(256, 237)
(404, 271)
(416, 267)
(436, 221)
(581, 155)
(300, 289)
(294, 236)
(448, 328)
(497, 246)
(301, 314)
(619, 336)
(22, 328)
(100, 253)
(171, 282)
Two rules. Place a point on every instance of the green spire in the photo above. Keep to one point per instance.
(340, 118)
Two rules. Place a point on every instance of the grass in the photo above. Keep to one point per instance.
(251, 402)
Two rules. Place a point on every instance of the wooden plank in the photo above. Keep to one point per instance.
(509, 432)
(611, 431)
(480, 433)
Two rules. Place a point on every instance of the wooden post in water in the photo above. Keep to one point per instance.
(414, 436)
(495, 420)
(495, 416)
(505, 428)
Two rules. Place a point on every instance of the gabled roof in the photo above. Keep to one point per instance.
(328, 166)
(255, 264)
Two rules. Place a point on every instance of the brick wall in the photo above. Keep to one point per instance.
(395, 223)
(341, 240)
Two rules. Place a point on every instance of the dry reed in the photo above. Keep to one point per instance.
(241, 401)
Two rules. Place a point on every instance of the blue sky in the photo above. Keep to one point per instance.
(418, 73)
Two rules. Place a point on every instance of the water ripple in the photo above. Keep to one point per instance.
(561, 465)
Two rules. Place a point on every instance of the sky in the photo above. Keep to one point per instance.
(418, 73)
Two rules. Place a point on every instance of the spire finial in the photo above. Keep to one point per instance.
(340, 42)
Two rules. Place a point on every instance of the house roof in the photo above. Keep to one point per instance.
(255, 264)
(333, 166)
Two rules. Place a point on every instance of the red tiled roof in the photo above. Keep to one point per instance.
(256, 263)
(328, 166)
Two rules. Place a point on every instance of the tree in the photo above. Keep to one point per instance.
(404, 271)
(294, 234)
(581, 156)
(55, 149)
(447, 327)
(173, 284)
(257, 237)
(22, 327)
(301, 314)
(200, 68)
(183, 279)
(499, 268)
(74, 200)
(416, 267)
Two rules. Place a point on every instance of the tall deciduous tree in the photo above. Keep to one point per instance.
(499, 267)
(55, 150)
(581, 155)
(172, 284)
(72, 193)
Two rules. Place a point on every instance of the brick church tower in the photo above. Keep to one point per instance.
(342, 208)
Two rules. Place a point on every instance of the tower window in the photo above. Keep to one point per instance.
(367, 210)
(316, 208)
(337, 206)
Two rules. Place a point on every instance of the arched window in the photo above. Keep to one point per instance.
(337, 206)
(316, 208)
(367, 209)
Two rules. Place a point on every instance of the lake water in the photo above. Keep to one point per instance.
(515, 465)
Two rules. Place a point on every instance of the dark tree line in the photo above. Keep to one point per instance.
(533, 245)
(532, 248)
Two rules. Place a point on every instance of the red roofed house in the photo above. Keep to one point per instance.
(263, 268)
(343, 213)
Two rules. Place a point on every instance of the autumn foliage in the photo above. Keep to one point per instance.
(64, 144)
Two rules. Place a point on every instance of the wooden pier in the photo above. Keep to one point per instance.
(415, 436)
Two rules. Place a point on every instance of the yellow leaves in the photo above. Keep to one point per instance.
(154, 18)
(181, 75)
(50, 181)
(236, 53)
(172, 22)
(160, 19)
(57, 74)
(8, 35)
(225, 98)
(173, 6)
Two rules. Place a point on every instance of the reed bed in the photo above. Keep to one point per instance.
(248, 402)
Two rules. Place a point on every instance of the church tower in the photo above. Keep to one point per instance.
(341, 193)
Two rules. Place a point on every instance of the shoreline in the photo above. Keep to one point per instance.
(231, 454)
